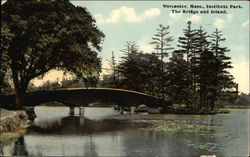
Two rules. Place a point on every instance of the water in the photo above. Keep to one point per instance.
(104, 132)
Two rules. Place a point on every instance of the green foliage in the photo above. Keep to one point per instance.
(107, 81)
(162, 42)
(243, 100)
(67, 83)
(130, 47)
(139, 72)
(114, 79)
(203, 62)
(187, 43)
(6, 37)
(48, 35)
(177, 78)
(224, 80)
(188, 47)
(207, 67)
(53, 85)
(195, 76)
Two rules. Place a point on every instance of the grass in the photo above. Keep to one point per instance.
(7, 138)
(12, 125)
(5, 113)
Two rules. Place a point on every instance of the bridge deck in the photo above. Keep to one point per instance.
(84, 96)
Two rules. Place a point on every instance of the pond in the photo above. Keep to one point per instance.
(105, 132)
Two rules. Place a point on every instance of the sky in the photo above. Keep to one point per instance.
(123, 21)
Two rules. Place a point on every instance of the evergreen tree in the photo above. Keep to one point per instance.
(131, 73)
(162, 42)
(150, 67)
(130, 47)
(177, 71)
(188, 47)
(127, 67)
(223, 79)
(106, 81)
(187, 44)
(139, 71)
(114, 71)
(201, 61)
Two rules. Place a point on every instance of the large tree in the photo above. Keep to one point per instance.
(6, 37)
(49, 34)
(130, 47)
(201, 63)
(177, 71)
(162, 41)
(140, 71)
(114, 70)
(130, 71)
(223, 79)
(187, 45)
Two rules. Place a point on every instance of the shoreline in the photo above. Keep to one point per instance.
(13, 126)
(236, 107)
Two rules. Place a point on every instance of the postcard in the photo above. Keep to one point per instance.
(124, 78)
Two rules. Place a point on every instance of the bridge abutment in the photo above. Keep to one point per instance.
(30, 111)
(72, 110)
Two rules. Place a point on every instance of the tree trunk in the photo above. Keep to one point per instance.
(1, 81)
(18, 93)
(212, 105)
(213, 99)
(19, 97)
(20, 88)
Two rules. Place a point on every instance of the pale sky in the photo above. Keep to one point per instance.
(137, 21)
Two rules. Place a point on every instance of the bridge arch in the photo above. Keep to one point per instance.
(74, 97)
(84, 97)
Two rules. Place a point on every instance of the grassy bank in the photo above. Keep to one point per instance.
(13, 125)
(5, 113)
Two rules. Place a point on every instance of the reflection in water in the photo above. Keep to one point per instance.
(20, 148)
(90, 147)
(1, 150)
(100, 134)
(81, 125)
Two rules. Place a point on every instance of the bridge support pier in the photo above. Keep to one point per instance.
(81, 111)
(132, 110)
(72, 110)
(121, 109)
